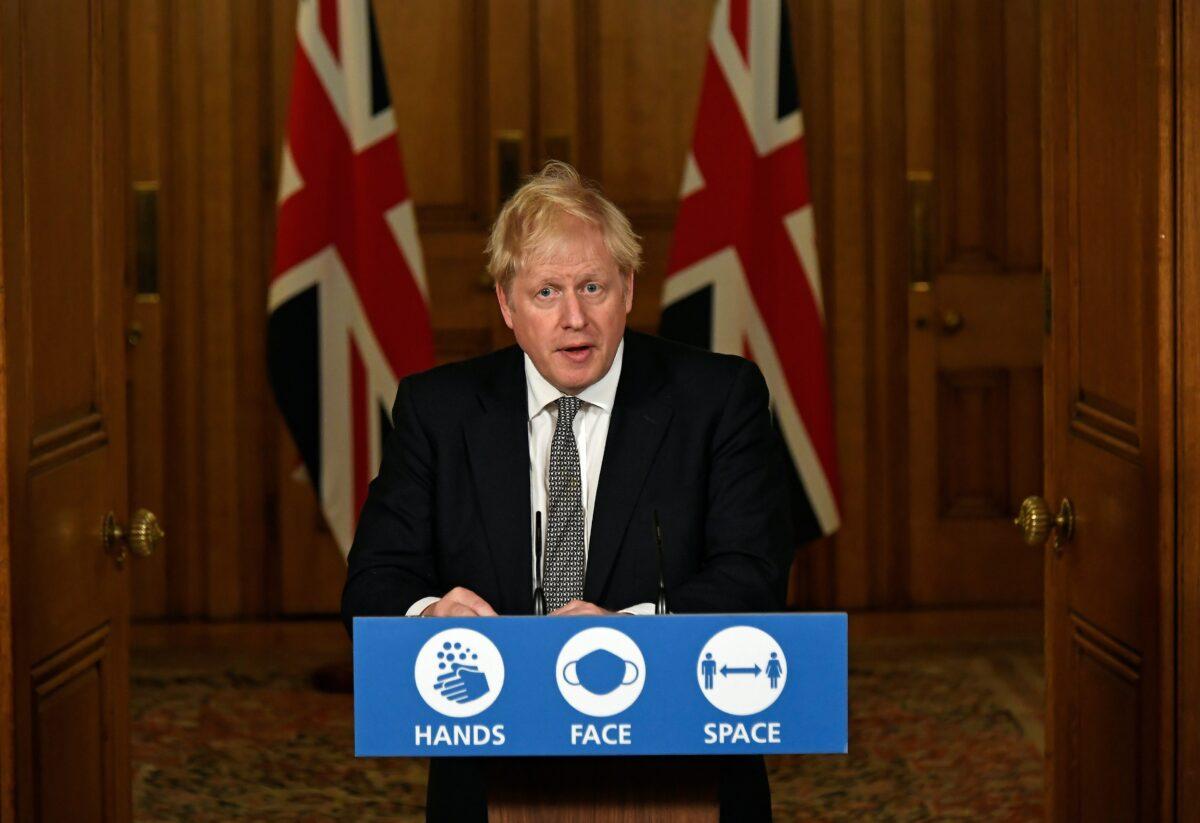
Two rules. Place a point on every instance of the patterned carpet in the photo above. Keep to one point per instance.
(937, 732)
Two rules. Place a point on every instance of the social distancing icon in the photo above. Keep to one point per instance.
(741, 670)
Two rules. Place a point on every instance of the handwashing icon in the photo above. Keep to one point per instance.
(601, 671)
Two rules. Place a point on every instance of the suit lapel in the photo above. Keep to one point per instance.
(639, 421)
(498, 445)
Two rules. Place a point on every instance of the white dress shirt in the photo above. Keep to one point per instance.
(591, 433)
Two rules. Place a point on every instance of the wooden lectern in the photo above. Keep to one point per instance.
(603, 790)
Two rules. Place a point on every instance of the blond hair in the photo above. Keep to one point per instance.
(532, 219)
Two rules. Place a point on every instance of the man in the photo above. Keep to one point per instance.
(599, 429)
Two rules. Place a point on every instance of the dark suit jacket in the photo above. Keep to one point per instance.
(690, 436)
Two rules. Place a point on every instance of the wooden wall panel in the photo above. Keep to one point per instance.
(1104, 713)
(886, 219)
(310, 567)
(1106, 372)
(641, 91)
(510, 52)
(849, 296)
(183, 299)
(557, 85)
(1022, 193)
(148, 444)
(7, 594)
(64, 206)
(431, 45)
(1187, 376)
(975, 298)
(217, 240)
(144, 326)
(973, 442)
(970, 127)
(215, 198)
(72, 733)
(253, 198)
(989, 168)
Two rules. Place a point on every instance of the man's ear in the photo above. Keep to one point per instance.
(629, 293)
(505, 310)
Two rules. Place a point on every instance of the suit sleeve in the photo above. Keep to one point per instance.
(748, 549)
(391, 564)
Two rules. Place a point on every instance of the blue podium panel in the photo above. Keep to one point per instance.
(621, 685)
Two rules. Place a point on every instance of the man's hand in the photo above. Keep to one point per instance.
(460, 602)
(579, 607)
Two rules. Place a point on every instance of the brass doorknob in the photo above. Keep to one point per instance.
(142, 538)
(1035, 521)
(952, 321)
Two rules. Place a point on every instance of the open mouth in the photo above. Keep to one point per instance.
(576, 353)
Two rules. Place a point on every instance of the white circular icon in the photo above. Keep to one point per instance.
(600, 672)
(741, 670)
(459, 672)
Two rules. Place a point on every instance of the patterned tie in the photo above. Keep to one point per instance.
(563, 580)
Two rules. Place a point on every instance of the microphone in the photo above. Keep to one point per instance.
(661, 606)
(539, 598)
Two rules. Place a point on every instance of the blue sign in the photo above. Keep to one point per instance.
(621, 685)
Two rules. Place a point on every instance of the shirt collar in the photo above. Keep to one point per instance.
(540, 393)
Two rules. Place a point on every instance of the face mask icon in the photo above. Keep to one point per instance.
(600, 672)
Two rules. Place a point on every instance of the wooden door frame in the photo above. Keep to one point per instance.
(1186, 721)
(8, 809)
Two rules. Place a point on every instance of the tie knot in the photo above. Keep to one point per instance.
(567, 406)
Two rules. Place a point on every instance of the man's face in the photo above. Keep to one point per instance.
(567, 309)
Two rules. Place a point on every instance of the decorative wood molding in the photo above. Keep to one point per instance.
(68, 661)
(1088, 638)
(69, 440)
(7, 594)
(475, 212)
(988, 433)
(1113, 665)
(1111, 429)
(1186, 617)
(75, 688)
(587, 152)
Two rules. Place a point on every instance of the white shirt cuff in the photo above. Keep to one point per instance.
(421, 605)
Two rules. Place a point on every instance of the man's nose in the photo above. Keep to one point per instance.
(572, 315)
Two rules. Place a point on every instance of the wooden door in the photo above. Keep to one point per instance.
(63, 222)
(1109, 147)
(975, 298)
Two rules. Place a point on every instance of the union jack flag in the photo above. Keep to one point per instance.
(348, 299)
(742, 275)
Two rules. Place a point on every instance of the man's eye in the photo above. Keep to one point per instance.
(545, 292)
(592, 288)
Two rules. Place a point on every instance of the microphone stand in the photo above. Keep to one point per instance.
(661, 606)
(539, 597)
